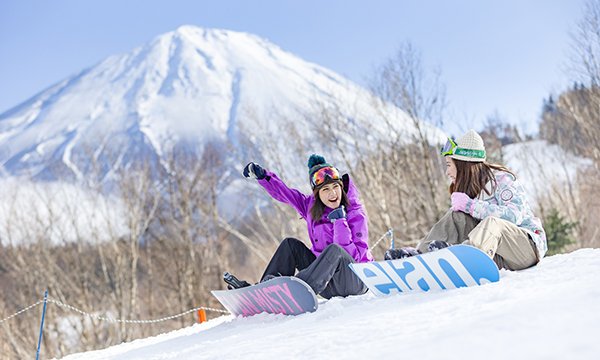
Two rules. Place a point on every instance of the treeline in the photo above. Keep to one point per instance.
(171, 255)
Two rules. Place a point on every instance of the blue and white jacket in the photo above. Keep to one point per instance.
(508, 201)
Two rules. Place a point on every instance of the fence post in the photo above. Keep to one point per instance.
(201, 316)
(37, 356)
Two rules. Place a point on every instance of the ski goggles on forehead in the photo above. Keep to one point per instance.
(321, 175)
(448, 148)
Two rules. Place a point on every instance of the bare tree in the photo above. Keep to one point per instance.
(404, 82)
(585, 46)
(581, 107)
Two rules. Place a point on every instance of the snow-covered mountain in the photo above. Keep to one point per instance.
(189, 85)
(550, 311)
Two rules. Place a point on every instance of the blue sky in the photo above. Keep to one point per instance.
(503, 56)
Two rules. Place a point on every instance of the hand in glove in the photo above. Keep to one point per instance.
(254, 171)
(339, 213)
(460, 201)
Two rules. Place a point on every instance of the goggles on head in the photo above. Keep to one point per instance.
(321, 175)
(450, 148)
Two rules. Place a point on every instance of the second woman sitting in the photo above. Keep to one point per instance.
(489, 210)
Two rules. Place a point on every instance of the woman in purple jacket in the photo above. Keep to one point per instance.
(337, 228)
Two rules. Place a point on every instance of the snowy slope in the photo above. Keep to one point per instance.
(544, 169)
(190, 85)
(58, 212)
(551, 311)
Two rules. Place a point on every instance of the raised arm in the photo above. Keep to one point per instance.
(281, 192)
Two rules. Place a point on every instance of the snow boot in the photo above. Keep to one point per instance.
(233, 282)
(401, 253)
(437, 245)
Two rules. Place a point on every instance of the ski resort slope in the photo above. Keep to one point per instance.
(551, 311)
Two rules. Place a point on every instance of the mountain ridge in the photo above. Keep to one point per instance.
(188, 84)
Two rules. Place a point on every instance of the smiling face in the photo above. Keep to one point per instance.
(450, 169)
(331, 195)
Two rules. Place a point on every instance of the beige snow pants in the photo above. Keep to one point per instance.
(508, 245)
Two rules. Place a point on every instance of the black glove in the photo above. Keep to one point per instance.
(255, 171)
(339, 213)
(401, 253)
(437, 245)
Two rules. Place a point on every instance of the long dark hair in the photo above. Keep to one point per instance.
(471, 177)
(316, 211)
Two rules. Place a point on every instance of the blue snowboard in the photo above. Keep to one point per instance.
(452, 267)
(281, 295)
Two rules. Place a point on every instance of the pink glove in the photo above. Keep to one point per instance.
(460, 201)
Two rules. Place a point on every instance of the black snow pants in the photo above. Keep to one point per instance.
(328, 275)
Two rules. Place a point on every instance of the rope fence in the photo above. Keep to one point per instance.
(21, 311)
(109, 319)
(130, 321)
(390, 234)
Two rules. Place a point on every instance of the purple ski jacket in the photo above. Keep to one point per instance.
(351, 233)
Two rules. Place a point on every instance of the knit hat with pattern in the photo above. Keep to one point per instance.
(470, 148)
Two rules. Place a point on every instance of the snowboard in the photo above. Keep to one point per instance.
(449, 268)
(281, 295)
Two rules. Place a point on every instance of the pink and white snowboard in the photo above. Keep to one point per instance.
(281, 295)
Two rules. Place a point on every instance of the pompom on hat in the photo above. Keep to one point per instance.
(469, 147)
(320, 172)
